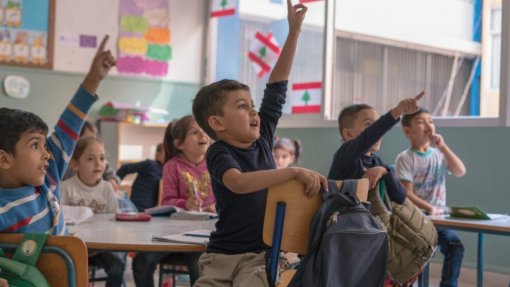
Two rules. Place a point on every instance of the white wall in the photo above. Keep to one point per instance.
(100, 17)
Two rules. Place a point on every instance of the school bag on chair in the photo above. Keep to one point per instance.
(347, 247)
(412, 236)
(20, 270)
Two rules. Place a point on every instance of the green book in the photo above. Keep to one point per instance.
(472, 212)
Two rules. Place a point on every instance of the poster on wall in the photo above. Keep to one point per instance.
(144, 38)
(26, 33)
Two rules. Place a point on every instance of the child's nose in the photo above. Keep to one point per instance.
(46, 154)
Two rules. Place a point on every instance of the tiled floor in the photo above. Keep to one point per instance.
(467, 278)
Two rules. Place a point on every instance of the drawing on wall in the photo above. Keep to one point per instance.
(26, 32)
(144, 37)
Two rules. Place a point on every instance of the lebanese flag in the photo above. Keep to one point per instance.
(264, 52)
(221, 8)
(306, 97)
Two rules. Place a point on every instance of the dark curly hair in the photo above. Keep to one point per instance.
(13, 123)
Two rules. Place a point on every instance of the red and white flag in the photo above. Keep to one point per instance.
(264, 52)
(220, 8)
(306, 97)
(307, 1)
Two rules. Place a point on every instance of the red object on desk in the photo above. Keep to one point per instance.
(141, 216)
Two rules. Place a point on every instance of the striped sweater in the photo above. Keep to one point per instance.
(36, 209)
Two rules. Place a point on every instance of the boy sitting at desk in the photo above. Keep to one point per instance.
(242, 168)
(422, 171)
(32, 166)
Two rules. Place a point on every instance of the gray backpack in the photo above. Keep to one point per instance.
(347, 246)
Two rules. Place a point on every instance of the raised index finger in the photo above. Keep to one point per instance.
(103, 44)
(289, 5)
(419, 96)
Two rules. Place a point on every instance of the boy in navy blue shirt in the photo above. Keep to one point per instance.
(361, 129)
(242, 168)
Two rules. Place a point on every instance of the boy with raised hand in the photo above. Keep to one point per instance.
(422, 170)
(242, 168)
(361, 129)
(32, 166)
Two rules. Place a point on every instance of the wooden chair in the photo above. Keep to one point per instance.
(287, 220)
(62, 261)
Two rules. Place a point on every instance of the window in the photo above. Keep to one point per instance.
(382, 52)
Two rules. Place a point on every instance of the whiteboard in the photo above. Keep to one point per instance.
(81, 24)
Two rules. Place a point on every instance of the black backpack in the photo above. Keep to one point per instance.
(347, 247)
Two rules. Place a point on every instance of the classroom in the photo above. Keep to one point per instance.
(349, 52)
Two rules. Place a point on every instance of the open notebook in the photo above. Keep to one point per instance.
(199, 236)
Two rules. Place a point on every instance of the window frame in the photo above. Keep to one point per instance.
(326, 119)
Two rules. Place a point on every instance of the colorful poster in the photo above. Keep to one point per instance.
(306, 97)
(264, 52)
(24, 32)
(144, 37)
(221, 8)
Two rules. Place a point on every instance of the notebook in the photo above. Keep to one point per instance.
(471, 212)
(193, 215)
(199, 236)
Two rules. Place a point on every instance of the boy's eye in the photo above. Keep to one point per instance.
(35, 145)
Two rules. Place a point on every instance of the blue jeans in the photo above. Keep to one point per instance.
(453, 251)
(113, 265)
(145, 263)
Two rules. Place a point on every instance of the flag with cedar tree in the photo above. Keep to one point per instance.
(306, 97)
(264, 52)
(220, 8)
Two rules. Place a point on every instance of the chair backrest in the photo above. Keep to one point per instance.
(59, 254)
(298, 213)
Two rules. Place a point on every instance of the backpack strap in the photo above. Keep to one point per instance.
(30, 248)
(347, 193)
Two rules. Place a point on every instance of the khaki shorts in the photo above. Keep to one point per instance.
(238, 270)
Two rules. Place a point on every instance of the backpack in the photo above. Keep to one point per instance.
(412, 236)
(20, 270)
(347, 247)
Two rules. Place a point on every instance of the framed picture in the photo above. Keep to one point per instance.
(26, 33)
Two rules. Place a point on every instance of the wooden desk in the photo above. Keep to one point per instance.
(103, 232)
(500, 226)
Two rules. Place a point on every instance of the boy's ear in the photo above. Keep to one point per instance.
(5, 159)
(346, 134)
(216, 123)
(407, 131)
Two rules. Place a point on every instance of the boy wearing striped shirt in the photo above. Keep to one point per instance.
(32, 166)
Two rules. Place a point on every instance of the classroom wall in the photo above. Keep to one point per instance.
(485, 154)
(51, 91)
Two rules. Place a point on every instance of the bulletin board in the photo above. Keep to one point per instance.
(26, 33)
(156, 39)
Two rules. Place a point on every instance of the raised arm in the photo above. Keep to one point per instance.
(295, 17)
(454, 163)
(101, 65)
